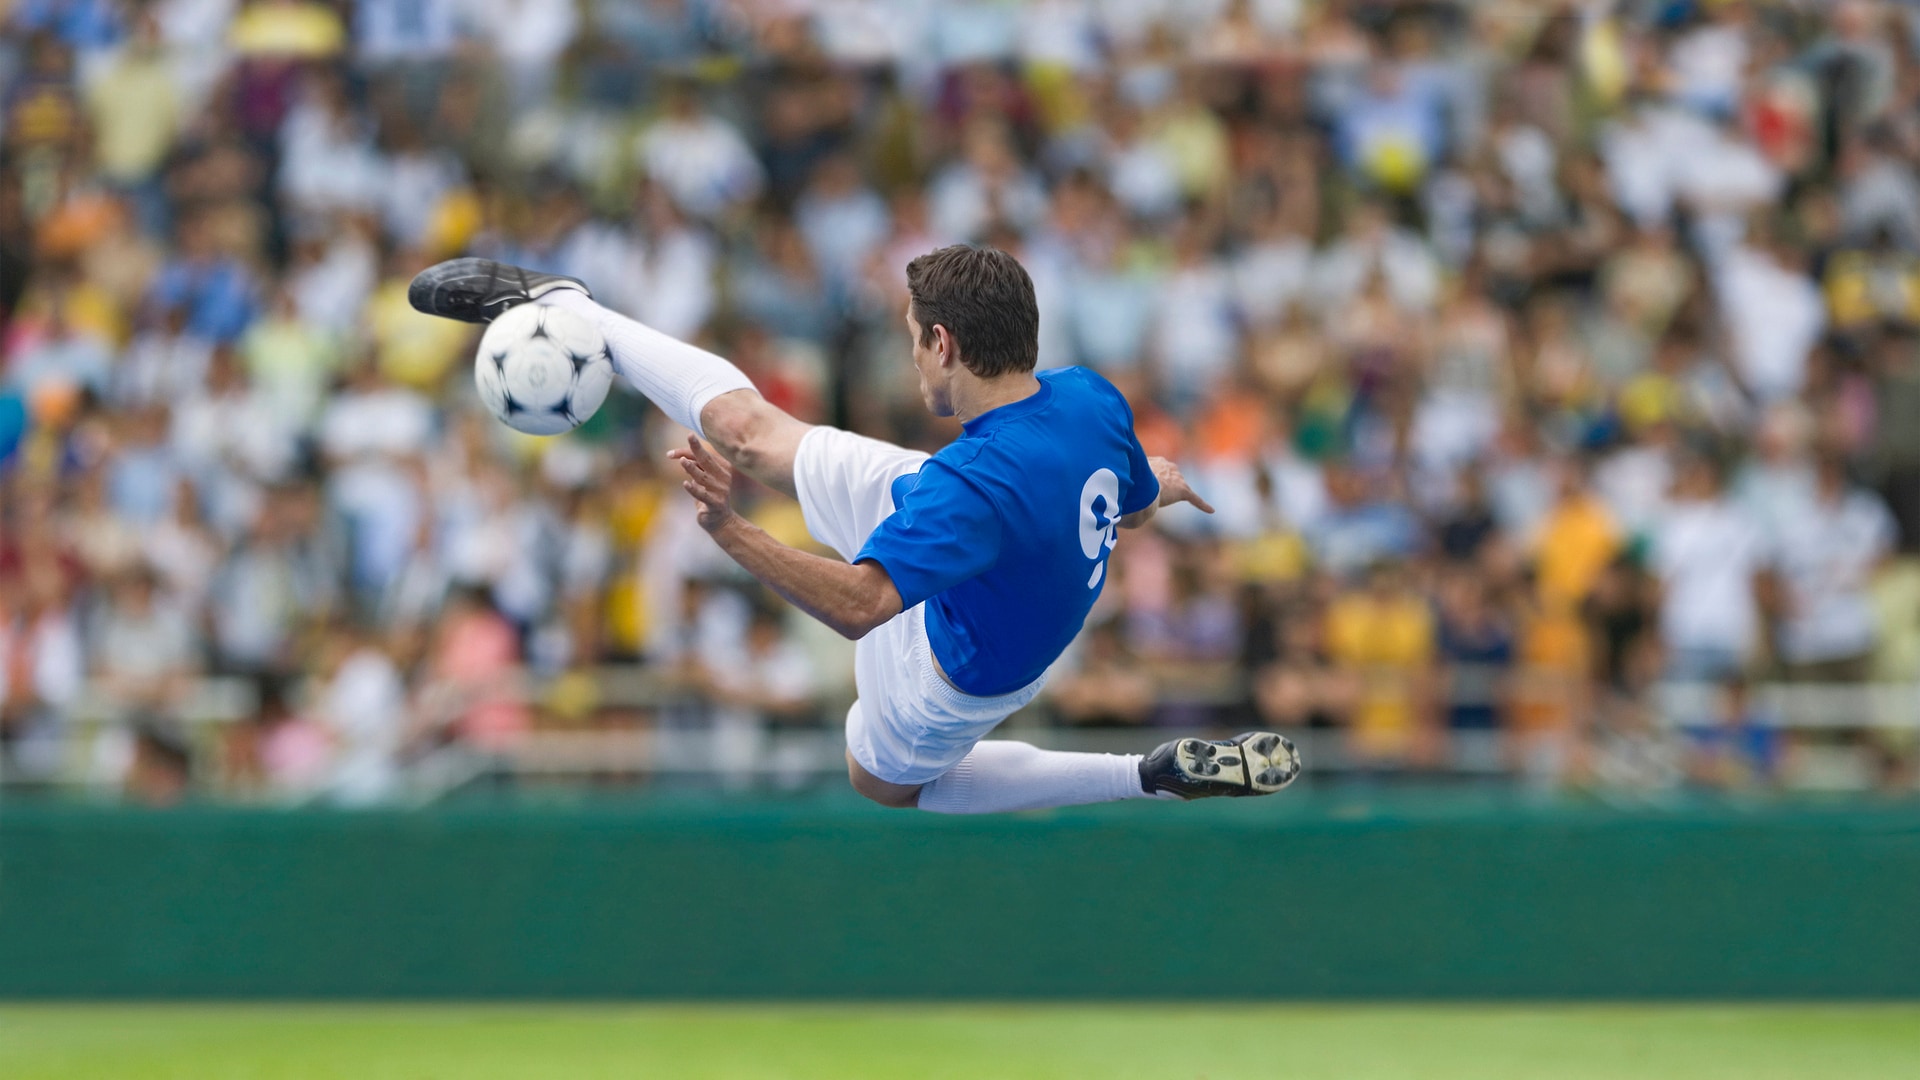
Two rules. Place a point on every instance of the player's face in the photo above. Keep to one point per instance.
(927, 361)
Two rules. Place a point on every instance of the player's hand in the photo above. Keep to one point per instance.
(709, 480)
(1173, 486)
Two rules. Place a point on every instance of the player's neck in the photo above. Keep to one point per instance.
(974, 398)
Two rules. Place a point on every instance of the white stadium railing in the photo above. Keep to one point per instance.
(788, 755)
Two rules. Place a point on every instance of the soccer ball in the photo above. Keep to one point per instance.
(542, 370)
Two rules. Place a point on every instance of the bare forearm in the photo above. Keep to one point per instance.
(850, 599)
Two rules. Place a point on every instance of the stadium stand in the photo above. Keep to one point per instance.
(1554, 368)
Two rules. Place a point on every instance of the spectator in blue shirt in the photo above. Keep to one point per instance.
(86, 26)
(1391, 131)
(216, 290)
(1360, 528)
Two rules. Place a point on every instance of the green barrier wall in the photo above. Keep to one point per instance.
(1320, 898)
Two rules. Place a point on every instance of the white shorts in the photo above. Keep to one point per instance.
(910, 724)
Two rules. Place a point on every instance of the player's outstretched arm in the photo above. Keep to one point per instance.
(852, 599)
(1173, 489)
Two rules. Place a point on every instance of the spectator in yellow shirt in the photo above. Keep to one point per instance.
(1867, 284)
(1381, 638)
(287, 30)
(134, 106)
(1577, 541)
(414, 350)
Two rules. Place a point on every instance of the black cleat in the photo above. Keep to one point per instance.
(1256, 763)
(478, 290)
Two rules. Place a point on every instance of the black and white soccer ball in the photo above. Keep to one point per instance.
(542, 370)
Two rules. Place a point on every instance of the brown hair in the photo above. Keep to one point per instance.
(984, 298)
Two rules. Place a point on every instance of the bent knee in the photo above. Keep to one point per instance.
(891, 800)
(892, 796)
(742, 425)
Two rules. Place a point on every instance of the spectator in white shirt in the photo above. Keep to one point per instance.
(261, 590)
(145, 649)
(988, 185)
(528, 36)
(1774, 314)
(415, 178)
(372, 417)
(770, 681)
(328, 161)
(334, 271)
(1270, 273)
(1777, 483)
(843, 220)
(163, 363)
(363, 704)
(42, 668)
(675, 291)
(1709, 62)
(386, 31)
(228, 428)
(1826, 559)
(1196, 337)
(700, 159)
(1707, 555)
(1109, 308)
(1371, 245)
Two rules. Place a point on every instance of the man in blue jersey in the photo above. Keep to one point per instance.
(967, 572)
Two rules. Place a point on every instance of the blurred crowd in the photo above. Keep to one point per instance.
(1537, 356)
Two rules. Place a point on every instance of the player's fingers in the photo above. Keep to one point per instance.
(705, 454)
(708, 469)
(704, 494)
(693, 465)
(708, 487)
(1194, 498)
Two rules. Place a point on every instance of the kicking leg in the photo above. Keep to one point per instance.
(698, 390)
(758, 437)
(695, 388)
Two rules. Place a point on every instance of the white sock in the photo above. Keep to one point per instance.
(1001, 775)
(678, 377)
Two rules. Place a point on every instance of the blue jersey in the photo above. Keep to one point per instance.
(1004, 534)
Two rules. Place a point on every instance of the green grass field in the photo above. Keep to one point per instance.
(480, 1042)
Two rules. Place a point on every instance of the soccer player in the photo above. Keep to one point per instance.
(967, 572)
